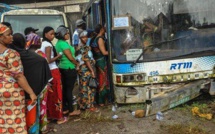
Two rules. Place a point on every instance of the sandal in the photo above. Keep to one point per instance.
(66, 112)
(49, 130)
(74, 113)
(94, 109)
(62, 121)
(101, 105)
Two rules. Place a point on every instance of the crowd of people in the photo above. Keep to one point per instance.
(37, 77)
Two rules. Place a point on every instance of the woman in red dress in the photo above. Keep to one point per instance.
(54, 100)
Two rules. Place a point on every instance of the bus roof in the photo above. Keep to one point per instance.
(32, 11)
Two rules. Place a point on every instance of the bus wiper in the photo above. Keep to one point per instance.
(137, 60)
(156, 44)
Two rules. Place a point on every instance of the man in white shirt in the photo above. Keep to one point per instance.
(81, 25)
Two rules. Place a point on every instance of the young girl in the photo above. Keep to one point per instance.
(54, 101)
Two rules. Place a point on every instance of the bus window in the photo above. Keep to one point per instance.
(163, 29)
(20, 22)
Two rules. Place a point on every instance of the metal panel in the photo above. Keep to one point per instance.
(172, 99)
(72, 9)
(52, 4)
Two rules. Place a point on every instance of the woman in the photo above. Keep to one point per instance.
(100, 53)
(33, 41)
(67, 69)
(54, 100)
(12, 86)
(86, 94)
(33, 44)
(37, 73)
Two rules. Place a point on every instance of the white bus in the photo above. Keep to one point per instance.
(161, 52)
(36, 18)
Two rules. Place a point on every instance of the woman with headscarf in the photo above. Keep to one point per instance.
(33, 41)
(38, 75)
(86, 98)
(54, 102)
(67, 68)
(12, 86)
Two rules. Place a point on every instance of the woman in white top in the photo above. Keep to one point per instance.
(54, 102)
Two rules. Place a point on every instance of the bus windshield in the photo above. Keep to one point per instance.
(20, 22)
(162, 29)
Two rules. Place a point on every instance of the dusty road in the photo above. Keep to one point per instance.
(176, 121)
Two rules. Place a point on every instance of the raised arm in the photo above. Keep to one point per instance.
(102, 48)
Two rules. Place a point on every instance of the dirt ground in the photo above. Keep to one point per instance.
(176, 121)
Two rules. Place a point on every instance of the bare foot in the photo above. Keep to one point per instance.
(76, 112)
(94, 109)
(65, 119)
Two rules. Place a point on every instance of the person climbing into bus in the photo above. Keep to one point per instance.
(100, 53)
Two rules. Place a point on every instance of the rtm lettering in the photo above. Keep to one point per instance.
(184, 65)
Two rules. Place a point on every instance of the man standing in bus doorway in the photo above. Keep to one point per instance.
(80, 26)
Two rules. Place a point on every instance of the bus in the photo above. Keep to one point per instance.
(36, 18)
(161, 52)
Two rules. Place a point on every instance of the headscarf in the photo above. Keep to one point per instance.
(83, 34)
(46, 30)
(61, 32)
(3, 28)
(32, 39)
(36, 69)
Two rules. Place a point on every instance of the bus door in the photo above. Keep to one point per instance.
(95, 13)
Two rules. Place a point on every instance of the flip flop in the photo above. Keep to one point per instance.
(94, 109)
(65, 119)
(66, 112)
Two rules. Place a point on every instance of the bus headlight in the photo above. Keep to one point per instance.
(139, 77)
(119, 79)
(134, 77)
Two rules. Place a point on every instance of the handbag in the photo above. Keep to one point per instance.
(93, 83)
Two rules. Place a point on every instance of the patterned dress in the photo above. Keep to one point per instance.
(12, 97)
(86, 94)
(101, 70)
